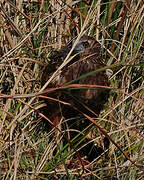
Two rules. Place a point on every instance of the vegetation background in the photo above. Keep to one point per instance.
(30, 30)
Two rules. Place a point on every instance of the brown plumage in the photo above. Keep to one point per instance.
(88, 58)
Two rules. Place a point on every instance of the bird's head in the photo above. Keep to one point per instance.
(86, 46)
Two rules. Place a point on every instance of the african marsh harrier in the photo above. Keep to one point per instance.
(87, 57)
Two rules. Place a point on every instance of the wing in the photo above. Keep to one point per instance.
(82, 68)
(93, 98)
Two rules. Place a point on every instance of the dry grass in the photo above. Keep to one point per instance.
(29, 31)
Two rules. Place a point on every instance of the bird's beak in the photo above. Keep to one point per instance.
(79, 47)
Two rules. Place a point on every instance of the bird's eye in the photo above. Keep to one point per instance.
(86, 44)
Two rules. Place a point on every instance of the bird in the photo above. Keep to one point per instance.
(86, 57)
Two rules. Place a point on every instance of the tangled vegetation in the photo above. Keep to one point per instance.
(31, 30)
